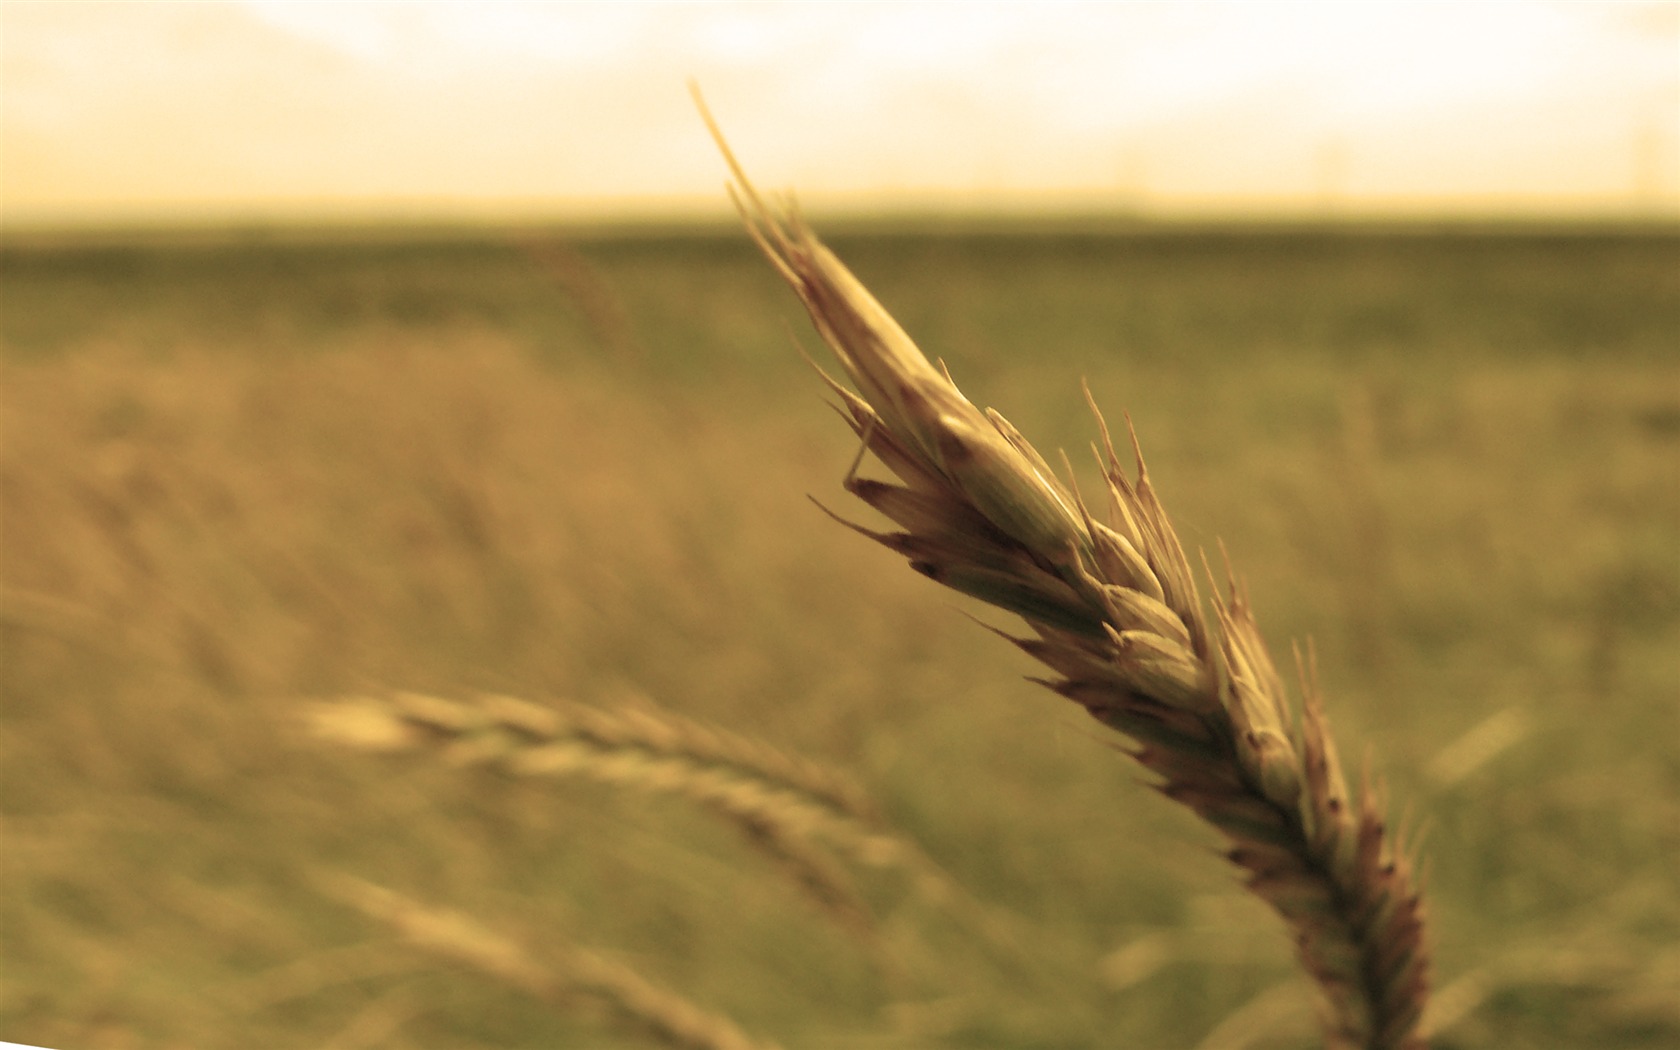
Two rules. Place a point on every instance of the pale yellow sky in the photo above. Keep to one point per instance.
(269, 111)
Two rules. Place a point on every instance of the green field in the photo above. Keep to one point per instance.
(243, 473)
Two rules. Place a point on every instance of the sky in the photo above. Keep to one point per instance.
(273, 111)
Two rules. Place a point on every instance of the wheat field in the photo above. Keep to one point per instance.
(242, 475)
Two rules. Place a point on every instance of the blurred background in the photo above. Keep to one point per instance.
(257, 112)
(355, 348)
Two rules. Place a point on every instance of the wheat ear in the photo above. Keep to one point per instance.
(669, 1017)
(788, 807)
(772, 796)
(1117, 619)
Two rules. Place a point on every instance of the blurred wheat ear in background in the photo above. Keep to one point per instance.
(1117, 618)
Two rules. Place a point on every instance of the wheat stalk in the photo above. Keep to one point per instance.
(670, 1017)
(1117, 618)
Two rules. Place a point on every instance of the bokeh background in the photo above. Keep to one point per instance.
(261, 111)
(348, 348)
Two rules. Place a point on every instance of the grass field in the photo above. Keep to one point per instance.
(239, 474)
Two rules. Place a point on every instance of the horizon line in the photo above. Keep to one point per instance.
(847, 208)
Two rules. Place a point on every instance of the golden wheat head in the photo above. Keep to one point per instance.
(773, 796)
(1116, 617)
